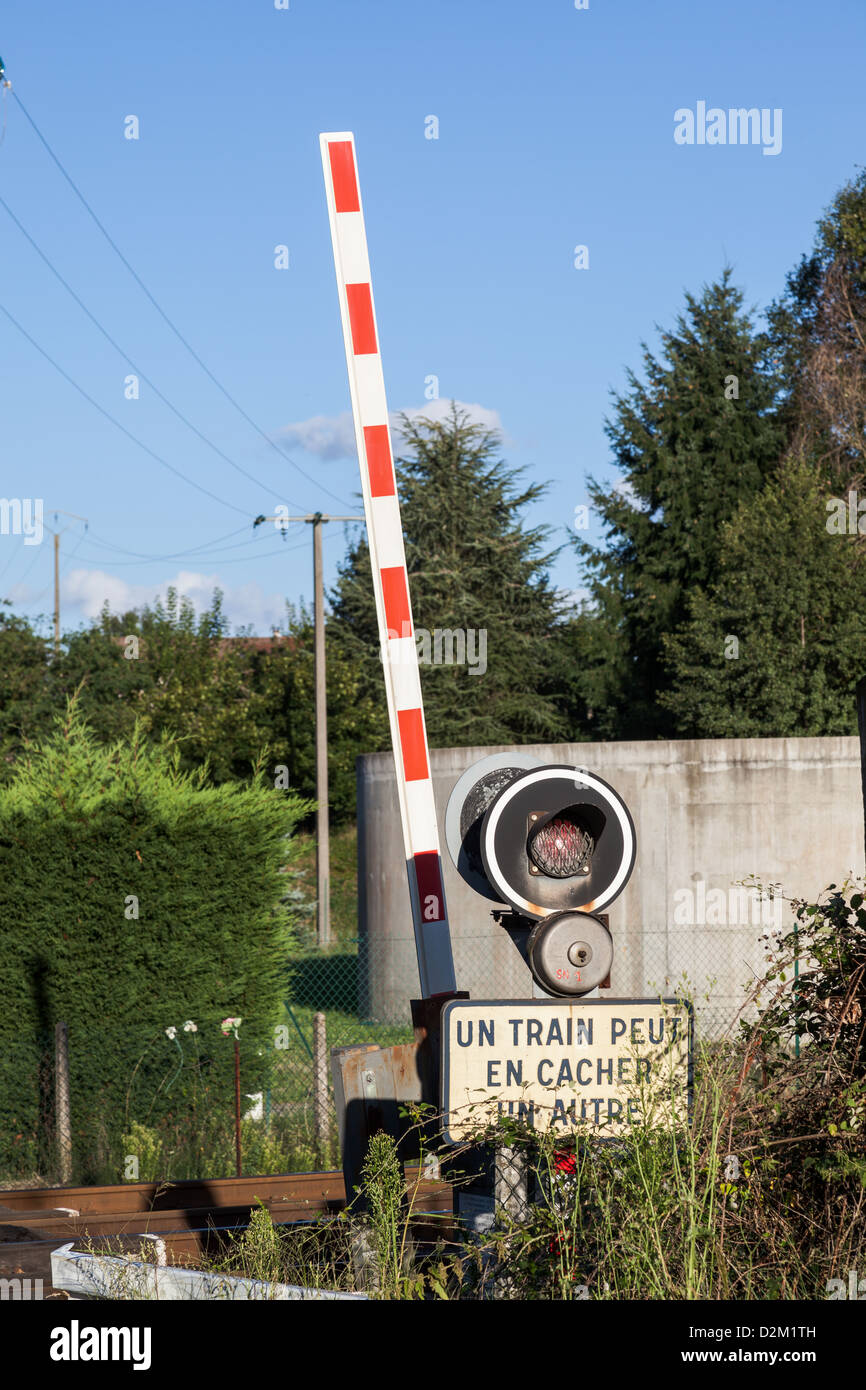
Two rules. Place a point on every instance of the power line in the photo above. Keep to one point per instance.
(108, 416)
(121, 550)
(195, 552)
(281, 550)
(13, 556)
(163, 315)
(240, 559)
(36, 551)
(127, 357)
(236, 560)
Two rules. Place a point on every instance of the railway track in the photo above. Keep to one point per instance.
(192, 1218)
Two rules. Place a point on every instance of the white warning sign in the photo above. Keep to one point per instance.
(590, 1065)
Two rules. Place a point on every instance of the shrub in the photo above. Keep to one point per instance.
(133, 897)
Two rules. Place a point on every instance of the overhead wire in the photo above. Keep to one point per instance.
(206, 550)
(196, 552)
(280, 550)
(110, 545)
(139, 371)
(285, 457)
(203, 552)
(13, 555)
(108, 416)
(235, 560)
(36, 553)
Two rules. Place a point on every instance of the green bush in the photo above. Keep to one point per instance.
(133, 897)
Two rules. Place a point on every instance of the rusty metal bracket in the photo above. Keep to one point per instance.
(372, 1084)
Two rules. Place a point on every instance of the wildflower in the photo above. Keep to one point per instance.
(190, 1027)
(171, 1033)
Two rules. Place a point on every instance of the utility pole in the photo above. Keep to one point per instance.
(861, 723)
(57, 535)
(323, 844)
(56, 592)
(323, 833)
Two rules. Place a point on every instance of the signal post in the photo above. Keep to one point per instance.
(549, 846)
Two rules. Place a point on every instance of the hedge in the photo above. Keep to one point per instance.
(133, 898)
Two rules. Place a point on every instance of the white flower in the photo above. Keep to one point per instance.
(190, 1027)
(171, 1033)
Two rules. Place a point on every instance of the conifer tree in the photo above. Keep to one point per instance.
(776, 644)
(479, 589)
(696, 438)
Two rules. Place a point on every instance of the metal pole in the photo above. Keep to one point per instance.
(323, 847)
(56, 592)
(61, 1101)
(511, 1200)
(58, 511)
(796, 992)
(321, 1098)
(861, 724)
(323, 855)
(237, 1108)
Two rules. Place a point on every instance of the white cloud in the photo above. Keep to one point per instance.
(324, 436)
(574, 597)
(332, 437)
(625, 488)
(85, 591)
(438, 410)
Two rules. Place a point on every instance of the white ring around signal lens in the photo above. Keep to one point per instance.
(501, 883)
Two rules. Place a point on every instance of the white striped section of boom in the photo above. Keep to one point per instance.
(388, 559)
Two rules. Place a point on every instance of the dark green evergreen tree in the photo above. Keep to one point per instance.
(778, 641)
(27, 701)
(692, 441)
(473, 569)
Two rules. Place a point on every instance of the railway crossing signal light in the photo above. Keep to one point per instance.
(555, 845)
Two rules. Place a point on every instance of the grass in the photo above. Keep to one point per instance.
(735, 1206)
(762, 1196)
(654, 1215)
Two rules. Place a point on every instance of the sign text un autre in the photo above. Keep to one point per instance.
(565, 1064)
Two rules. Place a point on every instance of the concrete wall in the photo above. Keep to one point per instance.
(708, 812)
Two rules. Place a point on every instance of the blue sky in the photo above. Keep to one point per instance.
(556, 128)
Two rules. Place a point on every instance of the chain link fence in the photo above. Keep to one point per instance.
(164, 1107)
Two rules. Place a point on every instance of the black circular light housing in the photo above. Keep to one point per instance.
(556, 839)
(472, 795)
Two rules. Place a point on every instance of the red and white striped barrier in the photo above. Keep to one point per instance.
(388, 559)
